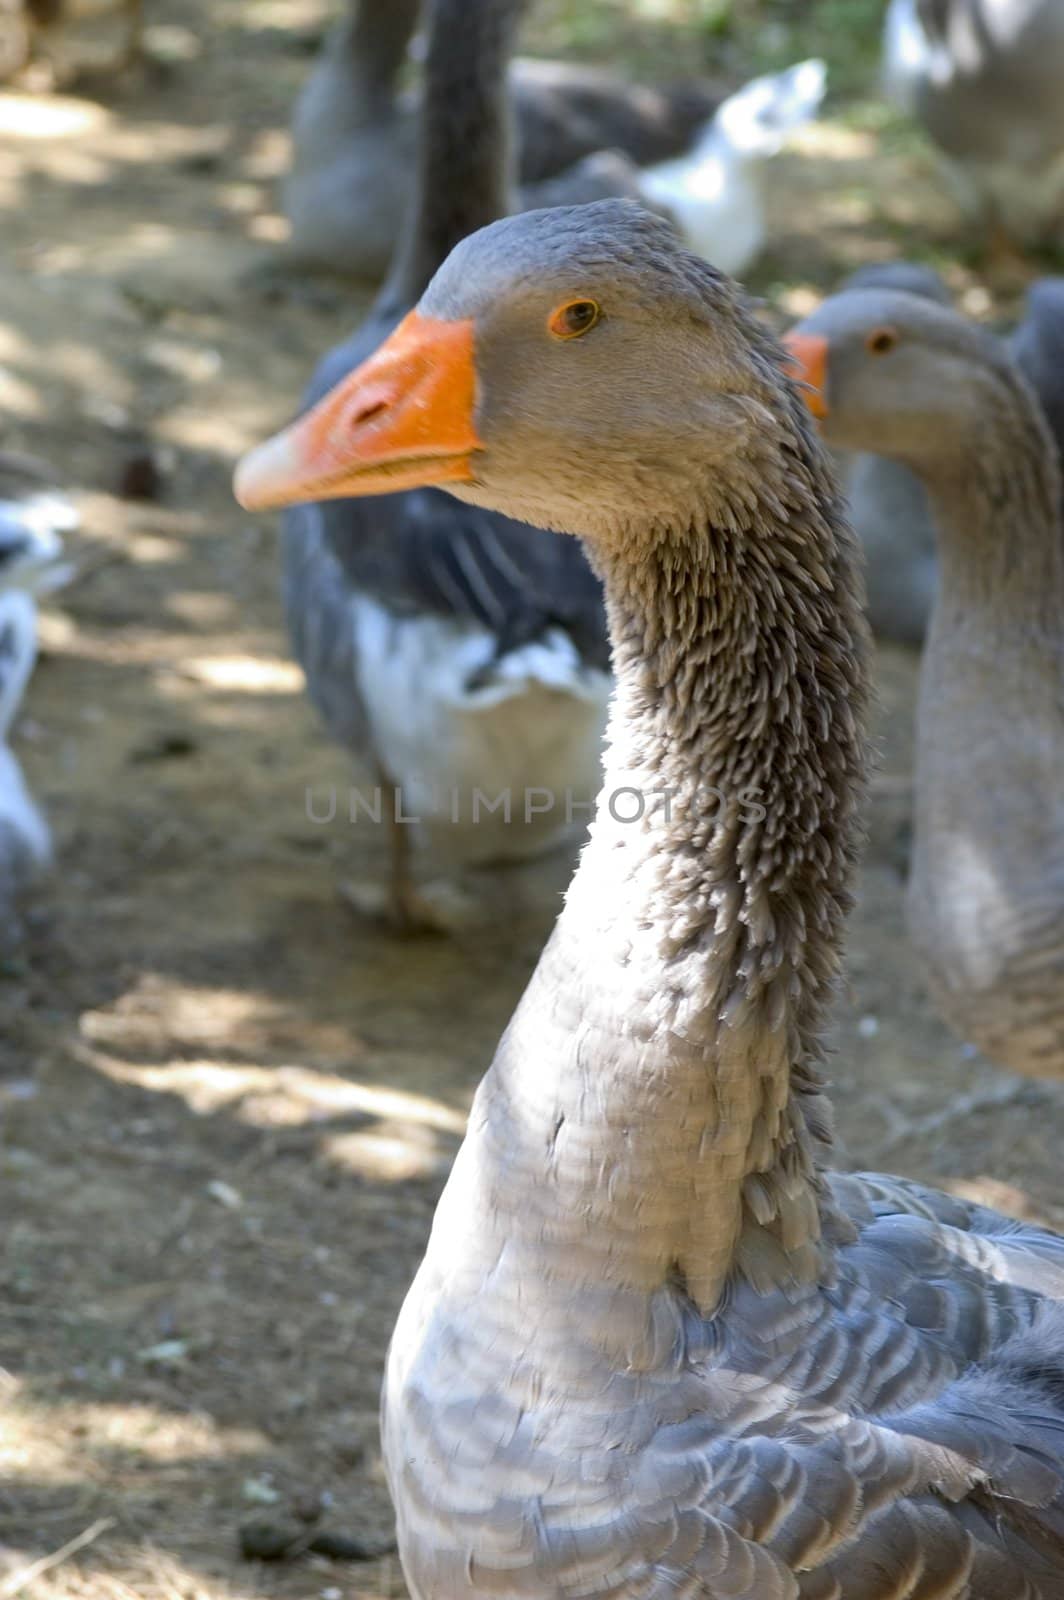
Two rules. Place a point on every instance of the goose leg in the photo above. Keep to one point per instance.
(134, 37)
(409, 910)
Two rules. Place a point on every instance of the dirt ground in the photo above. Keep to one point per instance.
(226, 1105)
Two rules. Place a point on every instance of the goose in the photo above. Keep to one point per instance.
(986, 889)
(889, 507)
(355, 136)
(465, 665)
(888, 504)
(1037, 347)
(654, 1347)
(983, 78)
(32, 522)
(353, 144)
(715, 192)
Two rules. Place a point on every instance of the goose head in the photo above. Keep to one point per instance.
(758, 119)
(911, 277)
(899, 375)
(574, 368)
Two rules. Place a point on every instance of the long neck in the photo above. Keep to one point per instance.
(660, 1076)
(997, 512)
(372, 40)
(463, 167)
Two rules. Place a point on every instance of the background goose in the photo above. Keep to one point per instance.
(715, 192)
(32, 522)
(718, 1370)
(889, 506)
(983, 77)
(1037, 347)
(355, 137)
(440, 644)
(986, 896)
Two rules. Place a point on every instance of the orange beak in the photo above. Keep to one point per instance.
(401, 420)
(809, 353)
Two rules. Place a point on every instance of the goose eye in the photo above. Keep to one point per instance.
(881, 341)
(573, 319)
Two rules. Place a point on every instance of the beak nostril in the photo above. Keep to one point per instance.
(367, 413)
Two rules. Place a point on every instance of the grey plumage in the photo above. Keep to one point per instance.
(420, 556)
(1037, 347)
(888, 504)
(986, 891)
(653, 1349)
(355, 136)
(889, 507)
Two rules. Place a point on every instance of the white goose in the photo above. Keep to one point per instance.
(715, 193)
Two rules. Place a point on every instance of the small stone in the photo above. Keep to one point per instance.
(166, 745)
(139, 476)
(167, 1353)
(261, 1491)
(308, 1506)
(225, 1194)
(263, 1540)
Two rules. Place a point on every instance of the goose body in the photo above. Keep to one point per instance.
(485, 750)
(355, 137)
(986, 898)
(465, 667)
(715, 192)
(654, 1349)
(983, 77)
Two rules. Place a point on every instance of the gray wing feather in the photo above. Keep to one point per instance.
(320, 614)
(896, 1434)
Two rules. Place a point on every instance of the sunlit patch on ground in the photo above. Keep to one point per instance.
(24, 116)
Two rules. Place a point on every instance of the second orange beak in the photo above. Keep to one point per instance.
(809, 353)
(402, 420)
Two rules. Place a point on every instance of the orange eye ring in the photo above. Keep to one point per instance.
(881, 341)
(574, 318)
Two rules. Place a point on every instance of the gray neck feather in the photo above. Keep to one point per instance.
(464, 146)
(997, 511)
(662, 1067)
(373, 40)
